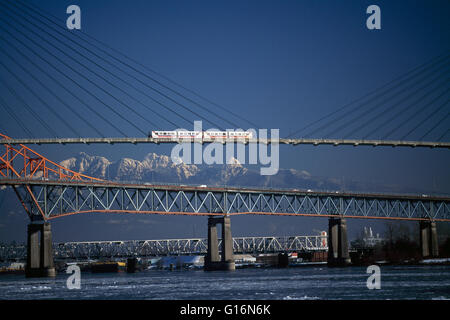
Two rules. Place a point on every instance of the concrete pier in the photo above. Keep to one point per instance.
(131, 265)
(224, 261)
(40, 255)
(283, 260)
(338, 254)
(428, 239)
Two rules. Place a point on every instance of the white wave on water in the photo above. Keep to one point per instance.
(300, 298)
(420, 282)
(29, 288)
(427, 261)
(440, 298)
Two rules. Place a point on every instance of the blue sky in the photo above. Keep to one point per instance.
(282, 64)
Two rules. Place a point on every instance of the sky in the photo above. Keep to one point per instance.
(282, 64)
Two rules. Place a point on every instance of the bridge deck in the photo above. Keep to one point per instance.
(46, 199)
(176, 187)
(314, 142)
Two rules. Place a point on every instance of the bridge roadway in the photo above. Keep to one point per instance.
(167, 247)
(314, 142)
(47, 199)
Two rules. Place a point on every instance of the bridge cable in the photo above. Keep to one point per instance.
(427, 118)
(107, 71)
(14, 116)
(391, 108)
(435, 126)
(361, 107)
(38, 118)
(60, 84)
(128, 74)
(176, 125)
(51, 91)
(90, 81)
(52, 110)
(63, 74)
(444, 134)
(417, 113)
(403, 110)
(367, 95)
(104, 79)
(38, 11)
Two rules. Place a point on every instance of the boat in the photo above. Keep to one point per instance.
(13, 268)
(108, 266)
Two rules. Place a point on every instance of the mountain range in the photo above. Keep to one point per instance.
(159, 169)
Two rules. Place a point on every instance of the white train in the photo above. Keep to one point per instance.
(208, 135)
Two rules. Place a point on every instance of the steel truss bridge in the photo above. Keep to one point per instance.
(47, 200)
(168, 247)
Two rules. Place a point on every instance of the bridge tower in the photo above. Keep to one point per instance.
(338, 254)
(40, 255)
(212, 260)
(428, 239)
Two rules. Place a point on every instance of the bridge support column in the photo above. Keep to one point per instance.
(40, 256)
(428, 239)
(212, 260)
(338, 255)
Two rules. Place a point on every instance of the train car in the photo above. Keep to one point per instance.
(164, 134)
(240, 135)
(215, 135)
(189, 134)
(208, 135)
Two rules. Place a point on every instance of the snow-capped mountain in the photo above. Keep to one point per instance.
(156, 168)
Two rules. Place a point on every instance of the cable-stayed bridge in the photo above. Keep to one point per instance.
(74, 88)
(71, 88)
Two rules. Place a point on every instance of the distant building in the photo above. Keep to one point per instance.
(368, 240)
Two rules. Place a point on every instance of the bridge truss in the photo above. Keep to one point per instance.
(168, 247)
(46, 200)
(22, 162)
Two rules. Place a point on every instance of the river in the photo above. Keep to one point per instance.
(397, 282)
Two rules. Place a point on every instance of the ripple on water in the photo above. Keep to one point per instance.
(289, 284)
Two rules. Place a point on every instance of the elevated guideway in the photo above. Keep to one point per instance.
(314, 142)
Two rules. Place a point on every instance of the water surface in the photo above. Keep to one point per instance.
(397, 282)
